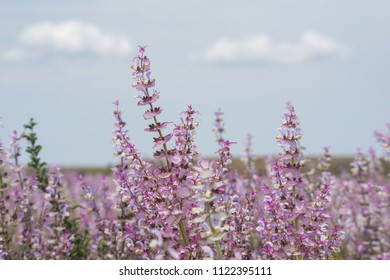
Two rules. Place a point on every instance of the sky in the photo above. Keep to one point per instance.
(65, 62)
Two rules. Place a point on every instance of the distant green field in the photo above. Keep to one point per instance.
(337, 165)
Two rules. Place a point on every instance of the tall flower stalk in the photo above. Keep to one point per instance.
(143, 82)
(294, 228)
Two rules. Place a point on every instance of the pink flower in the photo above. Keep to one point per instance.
(143, 85)
(152, 113)
(147, 100)
(142, 49)
(159, 141)
(154, 128)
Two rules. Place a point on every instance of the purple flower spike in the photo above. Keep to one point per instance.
(296, 228)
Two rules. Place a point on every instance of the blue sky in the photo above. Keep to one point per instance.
(64, 62)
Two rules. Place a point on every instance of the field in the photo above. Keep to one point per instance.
(337, 165)
(180, 206)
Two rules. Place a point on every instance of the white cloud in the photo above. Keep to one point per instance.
(261, 48)
(67, 37)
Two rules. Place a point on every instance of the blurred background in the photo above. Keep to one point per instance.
(65, 62)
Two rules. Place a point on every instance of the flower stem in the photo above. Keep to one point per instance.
(218, 249)
(183, 233)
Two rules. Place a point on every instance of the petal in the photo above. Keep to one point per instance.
(152, 113)
(161, 140)
(183, 191)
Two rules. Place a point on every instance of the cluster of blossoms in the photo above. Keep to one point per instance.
(34, 224)
(362, 204)
(180, 206)
(295, 224)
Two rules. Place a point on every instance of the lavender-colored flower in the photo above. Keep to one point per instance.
(294, 228)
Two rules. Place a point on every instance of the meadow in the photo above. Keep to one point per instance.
(180, 206)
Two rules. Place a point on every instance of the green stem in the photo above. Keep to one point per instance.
(2, 189)
(183, 233)
(218, 249)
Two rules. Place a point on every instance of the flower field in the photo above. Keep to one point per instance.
(181, 206)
